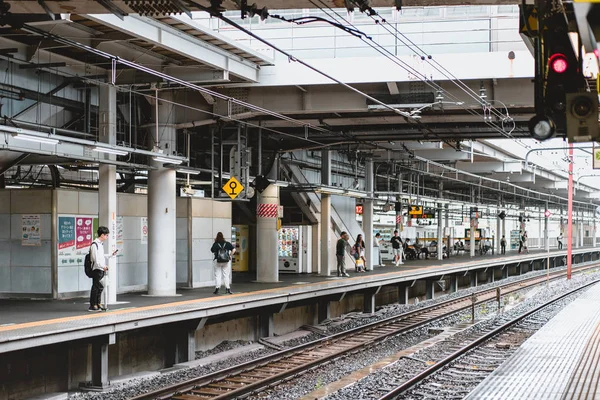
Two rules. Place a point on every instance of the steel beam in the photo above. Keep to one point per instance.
(177, 41)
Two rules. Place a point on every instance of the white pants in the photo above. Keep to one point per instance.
(222, 270)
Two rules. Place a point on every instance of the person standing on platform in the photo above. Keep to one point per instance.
(99, 268)
(340, 254)
(560, 241)
(223, 250)
(503, 245)
(377, 243)
(358, 251)
(521, 240)
(525, 248)
(397, 248)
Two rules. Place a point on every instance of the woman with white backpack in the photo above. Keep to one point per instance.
(223, 251)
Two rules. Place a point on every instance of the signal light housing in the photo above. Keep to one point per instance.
(559, 63)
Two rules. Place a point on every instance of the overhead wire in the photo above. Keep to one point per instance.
(399, 62)
(425, 57)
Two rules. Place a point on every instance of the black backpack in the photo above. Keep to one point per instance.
(87, 262)
(222, 254)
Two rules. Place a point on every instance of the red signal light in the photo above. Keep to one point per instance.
(558, 62)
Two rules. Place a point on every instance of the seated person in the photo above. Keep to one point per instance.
(421, 249)
(486, 245)
(459, 246)
(410, 253)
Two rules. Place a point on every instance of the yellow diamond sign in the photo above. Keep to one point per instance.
(233, 188)
(596, 160)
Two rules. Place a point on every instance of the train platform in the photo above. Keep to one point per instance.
(28, 323)
(559, 362)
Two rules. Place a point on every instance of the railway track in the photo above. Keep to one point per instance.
(267, 371)
(457, 373)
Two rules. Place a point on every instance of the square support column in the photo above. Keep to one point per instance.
(505, 272)
(403, 290)
(265, 325)
(473, 278)
(430, 289)
(100, 360)
(491, 275)
(453, 283)
(369, 300)
(324, 310)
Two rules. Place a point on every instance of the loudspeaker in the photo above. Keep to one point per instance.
(261, 183)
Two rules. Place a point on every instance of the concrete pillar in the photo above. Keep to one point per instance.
(453, 283)
(581, 230)
(472, 242)
(368, 215)
(182, 340)
(440, 234)
(267, 269)
(265, 325)
(473, 278)
(100, 362)
(325, 214)
(546, 234)
(325, 236)
(324, 310)
(369, 301)
(491, 275)
(162, 280)
(505, 272)
(430, 289)
(107, 184)
(504, 234)
(403, 289)
(398, 206)
(316, 248)
(498, 232)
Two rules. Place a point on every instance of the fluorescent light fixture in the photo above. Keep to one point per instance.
(37, 139)
(280, 183)
(353, 193)
(110, 150)
(226, 175)
(329, 190)
(188, 171)
(167, 160)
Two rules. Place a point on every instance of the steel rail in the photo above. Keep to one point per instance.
(475, 343)
(352, 340)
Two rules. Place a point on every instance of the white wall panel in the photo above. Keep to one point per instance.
(68, 279)
(88, 203)
(30, 256)
(133, 274)
(181, 227)
(5, 201)
(5, 232)
(5, 253)
(5, 279)
(30, 280)
(202, 228)
(201, 249)
(222, 225)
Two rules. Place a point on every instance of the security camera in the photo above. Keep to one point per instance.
(188, 190)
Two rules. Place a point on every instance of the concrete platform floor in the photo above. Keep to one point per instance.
(23, 311)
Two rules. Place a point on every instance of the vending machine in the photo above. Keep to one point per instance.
(239, 240)
(290, 251)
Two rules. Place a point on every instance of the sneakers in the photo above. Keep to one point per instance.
(228, 291)
(216, 291)
(346, 275)
(94, 309)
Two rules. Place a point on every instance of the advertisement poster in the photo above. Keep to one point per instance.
(31, 230)
(66, 232)
(75, 235)
(144, 229)
(83, 232)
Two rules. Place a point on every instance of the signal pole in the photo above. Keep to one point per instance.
(570, 214)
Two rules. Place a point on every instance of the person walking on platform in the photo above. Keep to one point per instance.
(560, 241)
(397, 248)
(521, 241)
(525, 242)
(223, 250)
(503, 245)
(99, 268)
(358, 251)
(340, 254)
